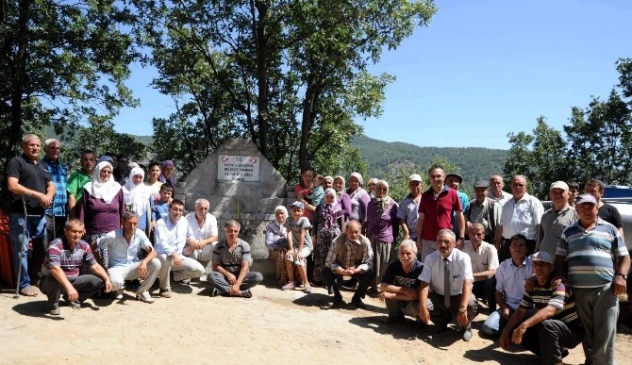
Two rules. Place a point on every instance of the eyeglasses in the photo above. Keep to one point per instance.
(107, 172)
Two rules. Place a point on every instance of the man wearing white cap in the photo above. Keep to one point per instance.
(592, 255)
(555, 326)
(555, 220)
(408, 211)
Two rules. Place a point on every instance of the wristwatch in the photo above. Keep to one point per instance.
(625, 277)
(460, 238)
(463, 310)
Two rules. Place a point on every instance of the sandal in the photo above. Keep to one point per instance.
(246, 294)
(28, 292)
(288, 286)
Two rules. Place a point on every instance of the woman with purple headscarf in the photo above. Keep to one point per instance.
(360, 198)
(328, 219)
(167, 176)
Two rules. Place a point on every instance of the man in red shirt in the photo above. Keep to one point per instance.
(435, 213)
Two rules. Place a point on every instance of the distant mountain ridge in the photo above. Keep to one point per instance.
(473, 163)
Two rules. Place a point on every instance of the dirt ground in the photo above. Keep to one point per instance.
(273, 326)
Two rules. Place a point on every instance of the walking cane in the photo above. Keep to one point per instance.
(22, 252)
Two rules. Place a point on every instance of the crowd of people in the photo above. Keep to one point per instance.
(549, 280)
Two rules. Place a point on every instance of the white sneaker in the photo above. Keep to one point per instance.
(145, 297)
(119, 294)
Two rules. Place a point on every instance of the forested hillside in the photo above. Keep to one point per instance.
(472, 163)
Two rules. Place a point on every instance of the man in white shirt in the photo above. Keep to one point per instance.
(520, 215)
(510, 279)
(205, 233)
(129, 256)
(172, 233)
(448, 271)
(484, 264)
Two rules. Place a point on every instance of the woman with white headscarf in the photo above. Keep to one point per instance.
(138, 198)
(102, 204)
(276, 243)
(382, 228)
(328, 220)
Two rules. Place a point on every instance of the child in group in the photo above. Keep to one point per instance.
(318, 192)
(300, 244)
(161, 206)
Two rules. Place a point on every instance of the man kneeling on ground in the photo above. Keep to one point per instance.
(448, 271)
(130, 256)
(231, 275)
(400, 284)
(555, 326)
(64, 258)
(350, 254)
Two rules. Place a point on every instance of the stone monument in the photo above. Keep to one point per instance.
(241, 184)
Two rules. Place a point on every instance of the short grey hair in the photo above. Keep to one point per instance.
(478, 226)
(410, 243)
(202, 200)
(448, 232)
(50, 141)
(129, 214)
(232, 223)
(28, 136)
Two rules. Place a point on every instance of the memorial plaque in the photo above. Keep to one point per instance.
(238, 168)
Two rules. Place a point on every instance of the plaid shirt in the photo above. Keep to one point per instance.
(59, 176)
(344, 253)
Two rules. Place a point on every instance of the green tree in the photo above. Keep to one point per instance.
(541, 157)
(597, 142)
(62, 63)
(291, 75)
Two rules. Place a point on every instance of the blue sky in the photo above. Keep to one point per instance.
(482, 69)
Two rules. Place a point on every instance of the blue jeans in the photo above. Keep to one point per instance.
(36, 230)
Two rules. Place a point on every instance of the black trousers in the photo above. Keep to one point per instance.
(335, 280)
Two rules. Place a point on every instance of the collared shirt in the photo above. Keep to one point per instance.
(510, 280)
(559, 297)
(438, 211)
(171, 237)
(481, 213)
(408, 211)
(206, 230)
(76, 183)
(59, 254)
(32, 176)
(58, 174)
(395, 274)
(120, 252)
(551, 228)
(345, 254)
(502, 199)
(521, 217)
(231, 260)
(465, 202)
(460, 268)
(591, 254)
(484, 258)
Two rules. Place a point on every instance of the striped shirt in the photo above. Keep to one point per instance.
(591, 254)
(231, 260)
(59, 175)
(346, 254)
(59, 254)
(560, 298)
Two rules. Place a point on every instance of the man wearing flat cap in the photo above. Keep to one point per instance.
(592, 257)
(555, 220)
(483, 210)
(555, 326)
(454, 181)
